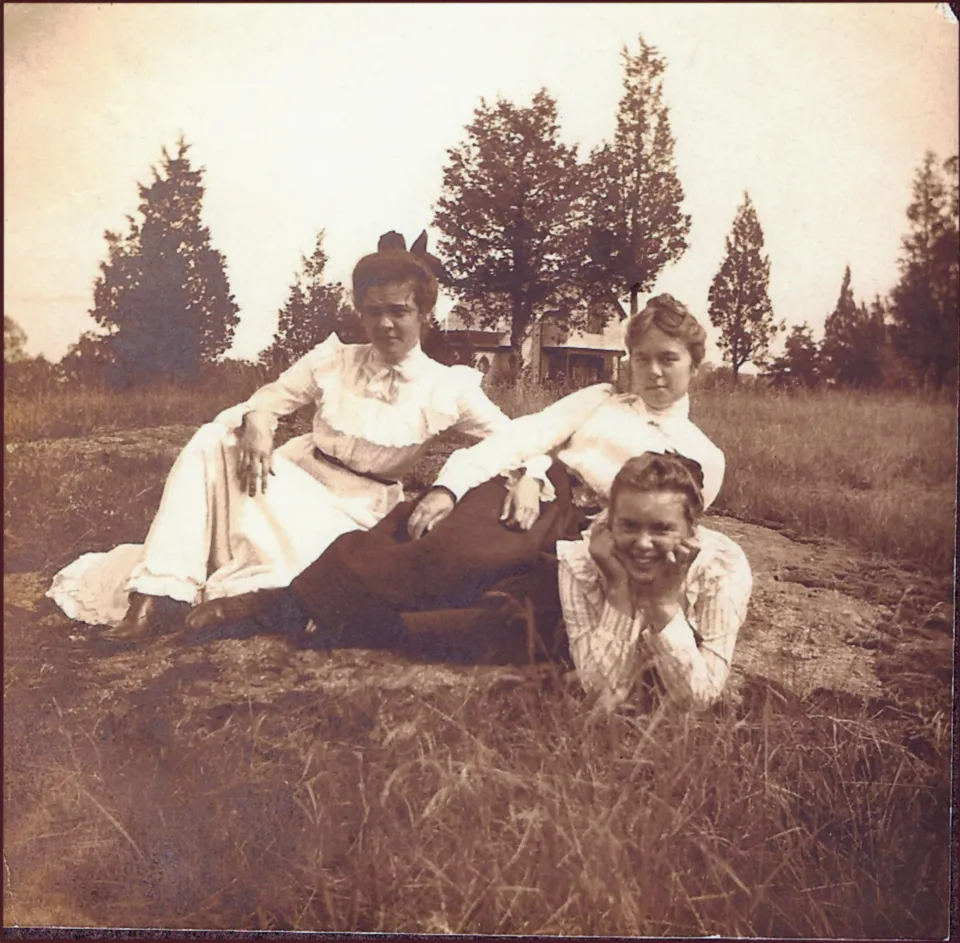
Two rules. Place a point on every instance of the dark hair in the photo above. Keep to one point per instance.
(668, 472)
(671, 317)
(392, 264)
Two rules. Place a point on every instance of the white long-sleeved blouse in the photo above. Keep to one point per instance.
(610, 648)
(592, 432)
(370, 415)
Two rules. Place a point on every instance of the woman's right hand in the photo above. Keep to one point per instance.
(615, 579)
(604, 554)
(432, 508)
(255, 455)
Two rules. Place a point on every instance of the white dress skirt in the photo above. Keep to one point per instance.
(209, 539)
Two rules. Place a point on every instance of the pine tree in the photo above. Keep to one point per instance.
(634, 226)
(507, 213)
(163, 294)
(800, 363)
(313, 311)
(739, 296)
(924, 303)
(853, 340)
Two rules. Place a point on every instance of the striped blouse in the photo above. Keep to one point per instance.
(693, 652)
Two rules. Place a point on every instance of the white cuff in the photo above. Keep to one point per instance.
(535, 468)
(233, 417)
(675, 638)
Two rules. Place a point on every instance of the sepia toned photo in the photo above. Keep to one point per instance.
(480, 469)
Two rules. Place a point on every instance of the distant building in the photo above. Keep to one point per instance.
(551, 352)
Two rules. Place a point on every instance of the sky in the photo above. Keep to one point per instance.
(339, 117)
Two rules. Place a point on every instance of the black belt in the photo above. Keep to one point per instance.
(319, 453)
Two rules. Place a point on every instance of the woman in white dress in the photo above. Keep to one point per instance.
(237, 516)
(448, 549)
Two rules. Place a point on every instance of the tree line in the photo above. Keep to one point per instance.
(527, 225)
(908, 338)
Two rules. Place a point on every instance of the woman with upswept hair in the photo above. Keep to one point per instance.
(237, 516)
(485, 521)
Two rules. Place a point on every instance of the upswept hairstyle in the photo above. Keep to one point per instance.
(671, 317)
(393, 264)
(670, 471)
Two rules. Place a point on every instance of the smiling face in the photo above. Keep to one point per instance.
(646, 525)
(391, 319)
(661, 368)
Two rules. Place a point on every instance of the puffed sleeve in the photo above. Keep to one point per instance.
(479, 415)
(520, 440)
(602, 639)
(713, 463)
(298, 385)
(694, 674)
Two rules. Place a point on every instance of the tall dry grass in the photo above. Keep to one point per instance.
(875, 470)
(479, 808)
(482, 810)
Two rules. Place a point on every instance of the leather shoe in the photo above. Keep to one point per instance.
(139, 622)
(217, 612)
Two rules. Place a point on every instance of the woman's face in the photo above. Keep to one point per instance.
(660, 368)
(646, 525)
(391, 319)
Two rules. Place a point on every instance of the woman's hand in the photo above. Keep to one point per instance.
(255, 455)
(660, 600)
(521, 507)
(432, 508)
(616, 580)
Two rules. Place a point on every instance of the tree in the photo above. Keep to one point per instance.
(14, 341)
(634, 226)
(799, 365)
(853, 340)
(924, 306)
(312, 312)
(507, 213)
(739, 296)
(163, 294)
(90, 361)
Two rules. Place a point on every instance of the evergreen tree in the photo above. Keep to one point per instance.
(924, 302)
(634, 226)
(739, 296)
(853, 340)
(90, 361)
(163, 293)
(313, 311)
(14, 341)
(839, 346)
(799, 365)
(507, 213)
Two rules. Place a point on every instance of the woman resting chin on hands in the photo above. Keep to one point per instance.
(650, 585)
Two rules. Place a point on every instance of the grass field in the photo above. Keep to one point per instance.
(876, 470)
(480, 808)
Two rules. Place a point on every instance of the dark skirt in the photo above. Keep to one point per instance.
(358, 590)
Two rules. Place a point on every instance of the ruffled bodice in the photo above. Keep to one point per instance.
(371, 415)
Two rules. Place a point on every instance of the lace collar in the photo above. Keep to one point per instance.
(382, 379)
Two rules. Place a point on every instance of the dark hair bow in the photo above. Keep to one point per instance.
(393, 242)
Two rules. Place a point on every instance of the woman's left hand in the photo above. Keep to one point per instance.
(521, 507)
(660, 600)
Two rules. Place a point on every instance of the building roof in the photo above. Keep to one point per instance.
(610, 339)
